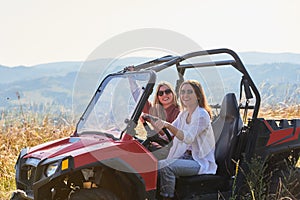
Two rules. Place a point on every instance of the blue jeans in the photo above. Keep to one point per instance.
(169, 169)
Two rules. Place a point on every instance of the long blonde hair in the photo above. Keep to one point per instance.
(158, 109)
(198, 89)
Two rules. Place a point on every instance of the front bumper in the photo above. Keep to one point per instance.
(32, 181)
(21, 195)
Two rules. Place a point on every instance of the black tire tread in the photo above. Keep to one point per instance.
(93, 194)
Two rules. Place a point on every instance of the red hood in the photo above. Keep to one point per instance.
(69, 146)
(89, 149)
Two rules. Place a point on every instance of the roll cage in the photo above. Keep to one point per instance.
(247, 86)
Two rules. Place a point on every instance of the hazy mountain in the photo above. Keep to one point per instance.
(53, 83)
(257, 58)
(22, 73)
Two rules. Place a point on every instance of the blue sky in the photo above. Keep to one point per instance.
(35, 31)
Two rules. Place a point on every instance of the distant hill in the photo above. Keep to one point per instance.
(258, 58)
(53, 83)
(22, 73)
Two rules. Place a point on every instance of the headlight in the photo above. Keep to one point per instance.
(51, 169)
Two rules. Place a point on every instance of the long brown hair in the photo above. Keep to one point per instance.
(198, 89)
(158, 109)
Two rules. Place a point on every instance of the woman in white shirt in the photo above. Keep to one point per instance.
(193, 147)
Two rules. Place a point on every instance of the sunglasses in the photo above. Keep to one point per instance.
(161, 92)
(182, 92)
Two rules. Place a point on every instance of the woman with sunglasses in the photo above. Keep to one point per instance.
(193, 147)
(164, 106)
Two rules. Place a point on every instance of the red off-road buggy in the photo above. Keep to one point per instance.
(105, 159)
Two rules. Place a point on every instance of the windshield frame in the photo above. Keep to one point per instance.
(133, 119)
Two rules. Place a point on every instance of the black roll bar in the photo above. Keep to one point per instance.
(236, 63)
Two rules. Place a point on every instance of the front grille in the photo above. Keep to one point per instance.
(27, 172)
(28, 176)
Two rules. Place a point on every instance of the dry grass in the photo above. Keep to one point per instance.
(280, 112)
(21, 130)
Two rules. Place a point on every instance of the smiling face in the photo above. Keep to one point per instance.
(165, 96)
(188, 96)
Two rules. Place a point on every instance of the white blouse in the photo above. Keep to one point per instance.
(198, 135)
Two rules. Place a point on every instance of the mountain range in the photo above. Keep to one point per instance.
(52, 84)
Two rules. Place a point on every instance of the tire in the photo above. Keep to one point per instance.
(293, 184)
(18, 195)
(93, 194)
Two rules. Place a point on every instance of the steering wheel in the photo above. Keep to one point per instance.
(153, 136)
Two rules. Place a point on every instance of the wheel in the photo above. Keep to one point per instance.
(18, 195)
(93, 194)
(153, 136)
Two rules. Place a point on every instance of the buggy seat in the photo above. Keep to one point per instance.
(226, 129)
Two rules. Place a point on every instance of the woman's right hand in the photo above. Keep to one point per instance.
(155, 121)
(159, 124)
(129, 68)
